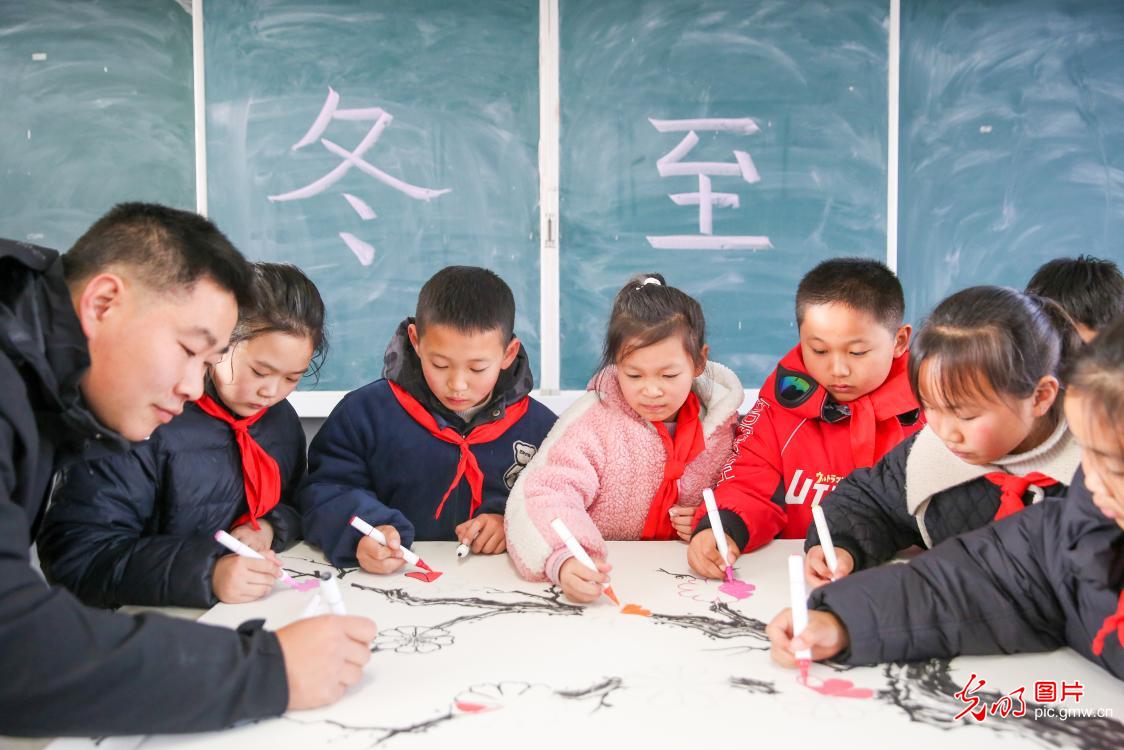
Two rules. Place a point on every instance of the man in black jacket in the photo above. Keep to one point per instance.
(100, 346)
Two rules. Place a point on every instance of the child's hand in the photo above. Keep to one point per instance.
(704, 558)
(825, 635)
(260, 540)
(681, 517)
(581, 584)
(237, 580)
(323, 657)
(483, 534)
(378, 558)
(815, 566)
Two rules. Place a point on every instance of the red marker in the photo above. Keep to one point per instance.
(367, 529)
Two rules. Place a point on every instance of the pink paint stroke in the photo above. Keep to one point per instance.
(306, 585)
(473, 708)
(737, 589)
(837, 688)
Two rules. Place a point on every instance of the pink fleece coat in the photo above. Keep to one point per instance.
(600, 467)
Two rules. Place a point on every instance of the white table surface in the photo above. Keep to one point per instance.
(483, 658)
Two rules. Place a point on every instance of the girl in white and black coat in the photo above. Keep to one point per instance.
(986, 369)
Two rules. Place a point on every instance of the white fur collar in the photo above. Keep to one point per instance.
(931, 467)
(718, 389)
(723, 393)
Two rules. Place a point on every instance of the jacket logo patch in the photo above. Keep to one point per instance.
(797, 493)
(523, 452)
(793, 388)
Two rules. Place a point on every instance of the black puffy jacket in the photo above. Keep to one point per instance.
(138, 528)
(920, 494)
(1044, 578)
(69, 669)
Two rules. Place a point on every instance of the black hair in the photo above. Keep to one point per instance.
(991, 339)
(1097, 374)
(646, 311)
(162, 247)
(467, 299)
(1090, 289)
(284, 300)
(858, 283)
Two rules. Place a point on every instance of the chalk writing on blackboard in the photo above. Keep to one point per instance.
(671, 164)
(380, 119)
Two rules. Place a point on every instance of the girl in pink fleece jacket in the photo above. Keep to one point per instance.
(630, 459)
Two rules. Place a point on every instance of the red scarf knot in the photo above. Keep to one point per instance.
(260, 473)
(681, 451)
(673, 469)
(1013, 487)
(467, 465)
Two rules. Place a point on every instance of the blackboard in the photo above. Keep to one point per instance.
(1011, 146)
(440, 96)
(1012, 140)
(802, 90)
(97, 109)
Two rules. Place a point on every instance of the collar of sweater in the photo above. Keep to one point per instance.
(931, 467)
(718, 389)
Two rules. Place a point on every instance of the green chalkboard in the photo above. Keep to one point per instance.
(372, 143)
(97, 109)
(800, 89)
(1012, 140)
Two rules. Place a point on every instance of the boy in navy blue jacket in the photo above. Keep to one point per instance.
(430, 451)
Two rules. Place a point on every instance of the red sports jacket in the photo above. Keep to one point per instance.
(797, 443)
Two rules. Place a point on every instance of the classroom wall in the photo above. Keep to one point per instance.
(962, 142)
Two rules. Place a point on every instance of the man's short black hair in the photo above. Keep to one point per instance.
(468, 299)
(859, 283)
(1090, 289)
(162, 247)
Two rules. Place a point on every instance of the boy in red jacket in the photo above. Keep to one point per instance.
(838, 401)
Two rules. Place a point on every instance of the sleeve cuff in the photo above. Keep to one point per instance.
(554, 564)
(854, 549)
(816, 602)
(732, 524)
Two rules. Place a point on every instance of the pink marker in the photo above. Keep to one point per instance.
(799, 610)
(719, 532)
(367, 529)
(243, 550)
(825, 539)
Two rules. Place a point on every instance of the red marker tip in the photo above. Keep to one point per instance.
(803, 664)
(423, 566)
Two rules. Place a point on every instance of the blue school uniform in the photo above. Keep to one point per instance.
(372, 459)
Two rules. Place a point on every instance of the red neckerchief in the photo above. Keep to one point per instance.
(1013, 487)
(687, 444)
(467, 465)
(1114, 622)
(260, 472)
(875, 428)
(874, 425)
